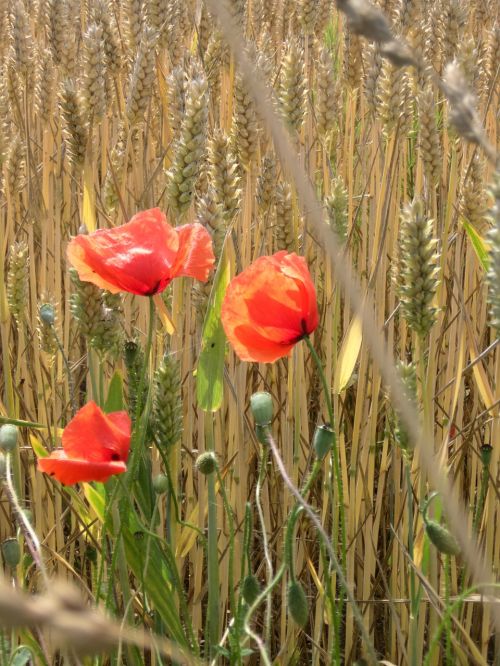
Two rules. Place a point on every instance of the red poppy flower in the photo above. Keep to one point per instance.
(142, 256)
(269, 307)
(95, 446)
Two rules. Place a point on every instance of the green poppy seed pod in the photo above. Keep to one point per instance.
(91, 554)
(261, 404)
(160, 484)
(486, 451)
(442, 538)
(11, 551)
(250, 589)
(47, 314)
(206, 463)
(3, 466)
(297, 603)
(8, 437)
(131, 350)
(261, 433)
(323, 441)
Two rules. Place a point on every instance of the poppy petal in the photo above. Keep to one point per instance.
(95, 436)
(70, 470)
(136, 257)
(269, 306)
(250, 345)
(195, 257)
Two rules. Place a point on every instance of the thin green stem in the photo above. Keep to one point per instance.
(337, 473)
(124, 577)
(212, 550)
(485, 475)
(29, 533)
(414, 598)
(291, 522)
(140, 427)
(265, 544)
(370, 650)
(65, 359)
(449, 612)
(230, 520)
(447, 581)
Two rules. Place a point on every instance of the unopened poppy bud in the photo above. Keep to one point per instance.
(206, 463)
(47, 314)
(8, 437)
(322, 441)
(11, 551)
(250, 589)
(160, 484)
(297, 603)
(261, 433)
(486, 451)
(82, 229)
(3, 466)
(442, 538)
(261, 404)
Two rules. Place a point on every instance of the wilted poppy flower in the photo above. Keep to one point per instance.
(142, 256)
(269, 307)
(95, 446)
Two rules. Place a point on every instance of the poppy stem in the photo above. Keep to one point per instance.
(269, 563)
(30, 536)
(212, 549)
(336, 467)
(358, 617)
(142, 401)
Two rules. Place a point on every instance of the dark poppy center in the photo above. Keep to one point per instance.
(115, 456)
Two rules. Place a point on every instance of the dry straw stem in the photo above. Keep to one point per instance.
(73, 624)
(362, 304)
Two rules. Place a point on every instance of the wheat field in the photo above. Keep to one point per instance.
(361, 137)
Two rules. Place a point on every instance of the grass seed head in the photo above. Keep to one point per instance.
(167, 405)
(223, 174)
(141, 79)
(61, 36)
(418, 268)
(245, 132)
(21, 38)
(72, 106)
(293, 88)
(18, 280)
(327, 96)
(284, 233)
(45, 86)
(266, 184)
(190, 147)
(429, 140)
(16, 164)
(47, 325)
(336, 207)
(94, 85)
(494, 263)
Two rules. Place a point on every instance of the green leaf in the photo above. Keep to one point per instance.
(114, 401)
(151, 574)
(21, 656)
(210, 369)
(96, 497)
(478, 244)
(21, 423)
